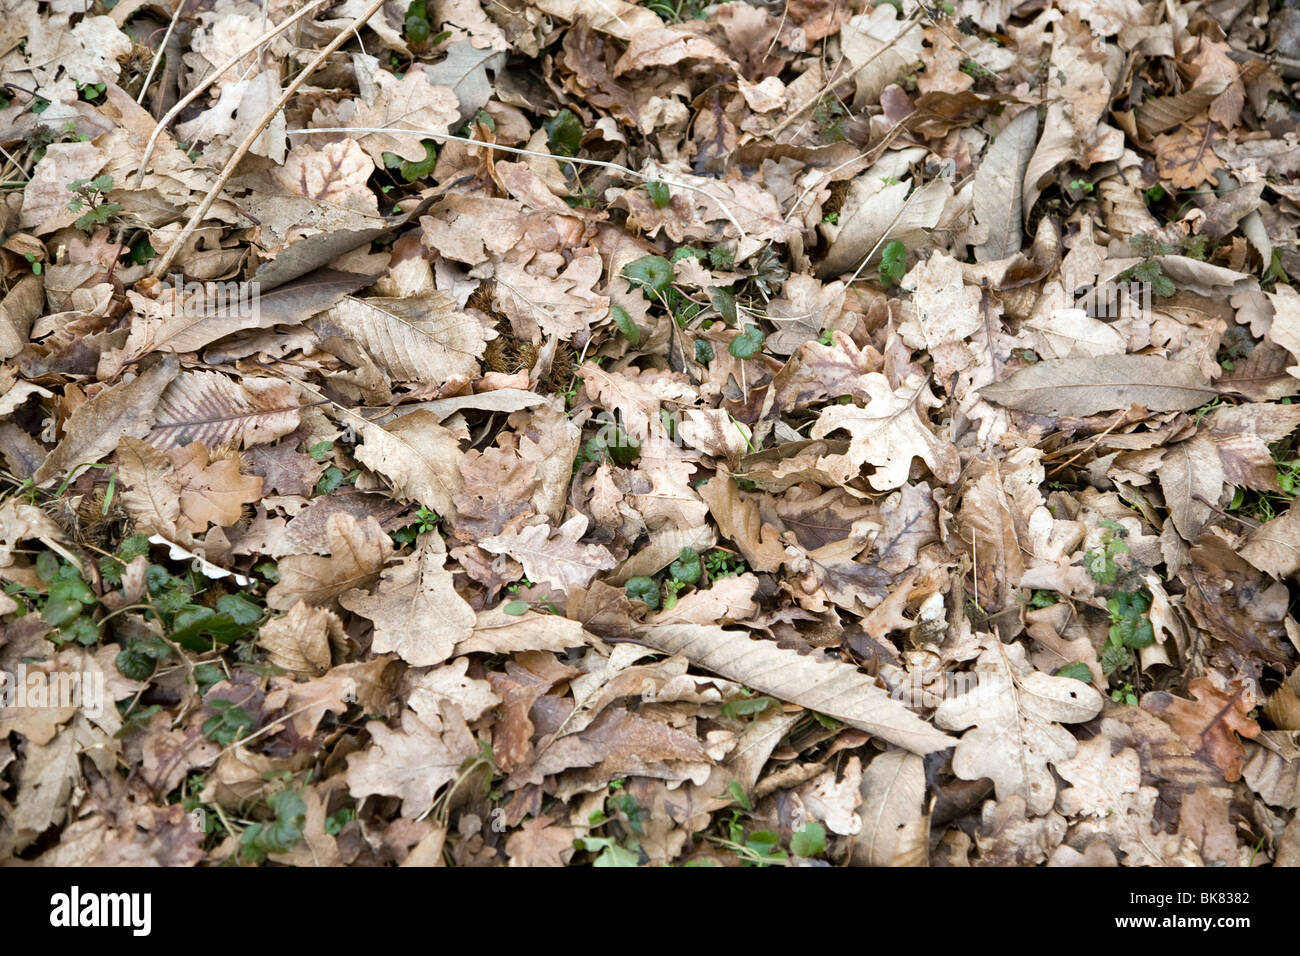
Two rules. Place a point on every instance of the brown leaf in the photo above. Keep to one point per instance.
(127, 409)
(1082, 387)
(1210, 724)
(216, 410)
(358, 550)
(299, 641)
(828, 687)
(212, 490)
(416, 609)
(413, 762)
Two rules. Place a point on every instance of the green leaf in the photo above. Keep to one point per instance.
(420, 169)
(809, 840)
(686, 568)
(659, 193)
(703, 351)
(747, 707)
(625, 324)
(653, 274)
(643, 589)
(1078, 670)
(748, 343)
(564, 133)
(241, 609)
(515, 608)
(893, 264)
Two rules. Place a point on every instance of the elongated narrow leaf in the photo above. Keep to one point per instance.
(209, 407)
(1090, 385)
(415, 339)
(828, 687)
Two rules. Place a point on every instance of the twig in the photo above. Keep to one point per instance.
(211, 78)
(834, 84)
(644, 177)
(162, 47)
(343, 36)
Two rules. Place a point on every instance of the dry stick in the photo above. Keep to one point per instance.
(833, 84)
(343, 36)
(157, 58)
(211, 78)
(528, 152)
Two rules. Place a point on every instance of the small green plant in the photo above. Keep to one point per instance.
(228, 724)
(625, 324)
(653, 275)
(90, 196)
(643, 589)
(623, 820)
(425, 521)
(1101, 564)
(1081, 186)
(260, 840)
(829, 117)
(832, 217)
(893, 264)
(1078, 670)
(724, 564)
(416, 26)
(414, 170)
(1149, 271)
(1125, 694)
(676, 11)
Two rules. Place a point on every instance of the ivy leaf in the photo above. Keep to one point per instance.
(747, 344)
(809, 840)
(659, 193)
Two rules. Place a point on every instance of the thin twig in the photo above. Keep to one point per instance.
(197, 216)
(211, 78)
(162, 47)
(644, 177)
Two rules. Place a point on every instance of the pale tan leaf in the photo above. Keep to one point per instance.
(895, 829)
(1081, 387)
(553, 557)
(299, 641)
(1015, 715)
(416, 609)
(998, 186)
(358, 551)
(123, 410)
(827, 687)
(417, 455)
(211, 408)
(420, 338)
(1191, 477)
(151, 493)
(412, 763)
(888, 433)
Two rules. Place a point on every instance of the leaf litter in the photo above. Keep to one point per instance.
(566, 433)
